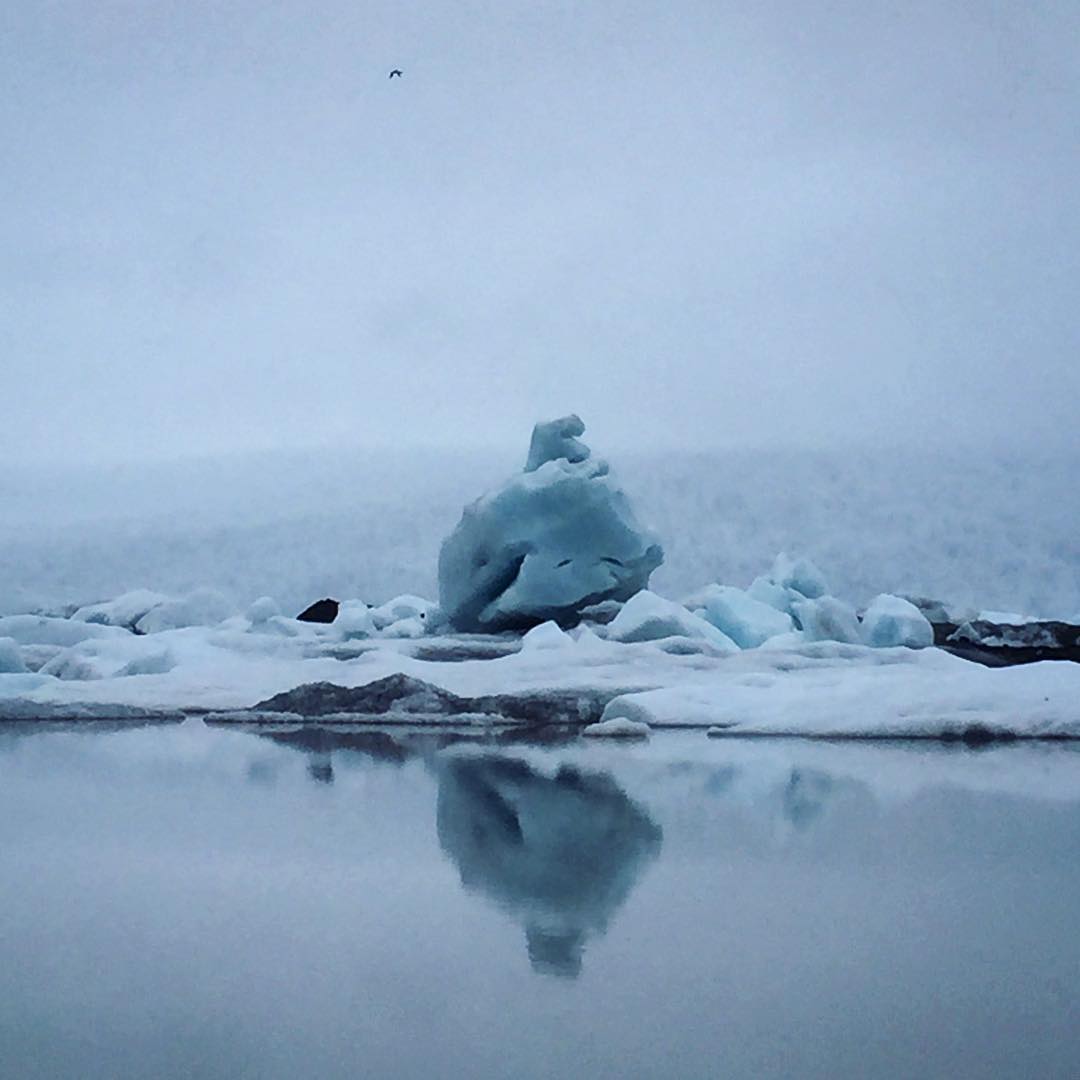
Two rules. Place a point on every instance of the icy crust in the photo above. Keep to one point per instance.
(550, 542)
(550, 677)
(771, 659)
(850, 691)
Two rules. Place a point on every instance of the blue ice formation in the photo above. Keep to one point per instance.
(551, 541)
(827, 619)
(890, 621)
(648, 617)
(746, 620)
(557, 439)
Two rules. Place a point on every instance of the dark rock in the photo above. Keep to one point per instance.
(407, 698)
(1003, 645)
(395, 693)
(322, 611)
(979, 735)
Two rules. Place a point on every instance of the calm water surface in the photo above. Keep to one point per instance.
(198, 902)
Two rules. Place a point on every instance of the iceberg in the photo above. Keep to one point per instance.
(405, 609)
(547, 635)
(50, 630)
(891, 621)
(201, 607)
(552, 541)
(827, 619)
(125, 611)
(747, 621)
(355, 620)
(648, 617)
(798, 574)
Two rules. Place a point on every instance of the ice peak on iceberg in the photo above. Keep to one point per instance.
(555, 439)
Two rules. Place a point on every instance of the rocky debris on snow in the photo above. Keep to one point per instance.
(1003, 644)
(403, 699)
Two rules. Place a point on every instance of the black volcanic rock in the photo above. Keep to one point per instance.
(1003, 644)
(322, 611)
(395, 693)
(404, 697)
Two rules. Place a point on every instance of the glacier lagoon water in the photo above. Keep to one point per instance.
(184, 901)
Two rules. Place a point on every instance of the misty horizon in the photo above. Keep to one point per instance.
(705, 226)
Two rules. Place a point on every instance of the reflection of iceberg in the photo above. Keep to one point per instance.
(559, 853)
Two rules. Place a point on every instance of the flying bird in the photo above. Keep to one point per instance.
(397, 72)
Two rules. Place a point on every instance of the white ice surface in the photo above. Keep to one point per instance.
(617, 728)
(850, 690)
(809, 689)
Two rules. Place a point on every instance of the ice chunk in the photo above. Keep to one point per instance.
(11, 661)
(768, 592)
(71, 665)
(354, 620)
(151, 663)
(126, 610)
(202, 607)
(404, 607)
(415, 627)
(618, 728)
(546, 636)
(546, 545)
(892, 620)
(828, 619)
(46, 630)
(747, 621)
(798, 574)
(263, 610)
(648, 617)
(557, 439)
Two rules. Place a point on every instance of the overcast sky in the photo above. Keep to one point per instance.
(699, 224)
